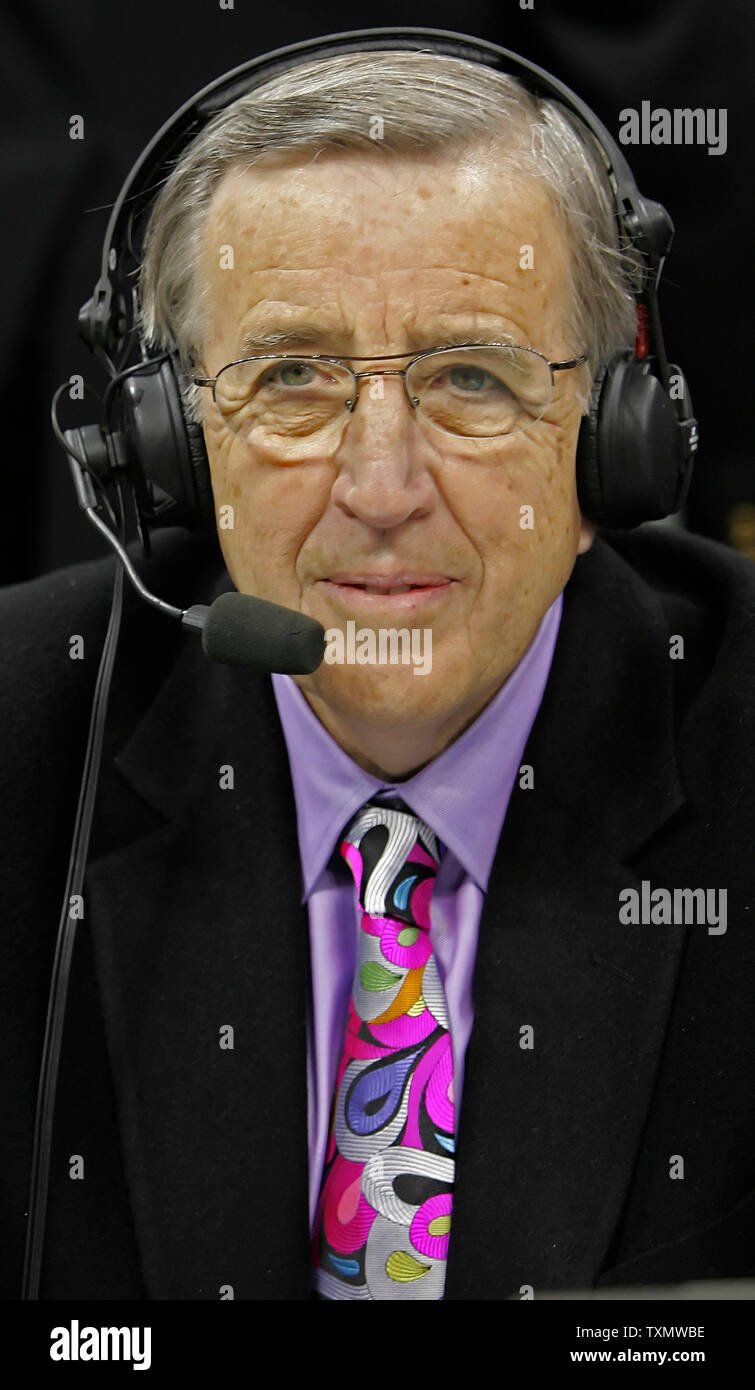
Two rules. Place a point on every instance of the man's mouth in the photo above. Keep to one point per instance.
(413, 587)
(389, 584)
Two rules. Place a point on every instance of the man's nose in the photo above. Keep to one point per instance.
(382, 458)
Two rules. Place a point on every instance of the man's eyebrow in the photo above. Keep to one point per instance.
(262, 342)
(256, 341)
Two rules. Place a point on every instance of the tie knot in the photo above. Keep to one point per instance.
(394, 857)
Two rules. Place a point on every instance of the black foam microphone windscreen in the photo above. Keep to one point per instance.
(245, 631)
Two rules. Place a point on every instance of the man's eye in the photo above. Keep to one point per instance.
(469, 378)
(290, 374)
(472, 381)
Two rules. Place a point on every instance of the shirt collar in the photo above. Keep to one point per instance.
(462, 794)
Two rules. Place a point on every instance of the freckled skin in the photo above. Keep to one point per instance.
(377, 247)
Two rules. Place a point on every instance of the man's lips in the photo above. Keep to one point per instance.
(385, 582)
(406, 590)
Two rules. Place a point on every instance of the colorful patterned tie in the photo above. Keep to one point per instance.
(384, 1213)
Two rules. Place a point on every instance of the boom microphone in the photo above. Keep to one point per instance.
(247, 631)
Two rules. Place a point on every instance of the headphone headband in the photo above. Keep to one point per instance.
(644, 222)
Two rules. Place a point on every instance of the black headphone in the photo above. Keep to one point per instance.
(636, 444)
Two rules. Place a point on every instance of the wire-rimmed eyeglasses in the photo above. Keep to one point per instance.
(301, 402)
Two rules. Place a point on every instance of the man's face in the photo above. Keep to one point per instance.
(388, 257)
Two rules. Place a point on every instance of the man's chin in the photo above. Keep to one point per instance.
(381, 696)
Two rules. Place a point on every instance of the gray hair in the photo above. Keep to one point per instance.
(431, 105)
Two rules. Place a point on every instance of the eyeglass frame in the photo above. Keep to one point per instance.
(351, 405)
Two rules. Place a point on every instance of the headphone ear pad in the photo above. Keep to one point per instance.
(630, 461)
(589, 489)
(202, 509)
(166, 448)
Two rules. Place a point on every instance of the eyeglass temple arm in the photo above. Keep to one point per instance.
(573, 362)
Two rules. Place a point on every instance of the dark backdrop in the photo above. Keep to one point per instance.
(125, 67)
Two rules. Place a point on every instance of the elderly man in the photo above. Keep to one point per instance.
(374, 994)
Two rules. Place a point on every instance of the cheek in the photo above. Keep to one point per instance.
(520, 510)
(274, 511)
(547, 481)
(507, 503)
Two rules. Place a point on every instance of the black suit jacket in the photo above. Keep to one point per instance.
(195, 1157)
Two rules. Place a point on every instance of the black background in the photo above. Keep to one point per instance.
(126, 67)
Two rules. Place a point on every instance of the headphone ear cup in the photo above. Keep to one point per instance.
(630, 459)
(166, 449)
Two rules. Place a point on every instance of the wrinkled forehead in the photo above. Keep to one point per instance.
(356, 238)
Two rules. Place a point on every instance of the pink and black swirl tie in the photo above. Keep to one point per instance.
(384, 1214)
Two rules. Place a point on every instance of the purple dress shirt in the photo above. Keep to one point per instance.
(463, 795)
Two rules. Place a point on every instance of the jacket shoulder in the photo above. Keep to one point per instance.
(48, 679)
(32, 613)
(676, 562)
(44, 670)
(704, 594)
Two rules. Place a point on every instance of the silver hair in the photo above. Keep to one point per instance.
(432, 106)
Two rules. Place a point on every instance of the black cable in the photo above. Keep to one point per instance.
(67, 446)
(133, 370)
(51, 1048)
(656, 339)
(57, 431)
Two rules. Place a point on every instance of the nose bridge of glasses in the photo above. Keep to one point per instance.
(360, 377)
(382, 371)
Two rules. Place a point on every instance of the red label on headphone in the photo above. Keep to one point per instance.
(641, 341)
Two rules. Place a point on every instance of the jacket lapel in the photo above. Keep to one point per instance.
(199, 929)
(548, 1135)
